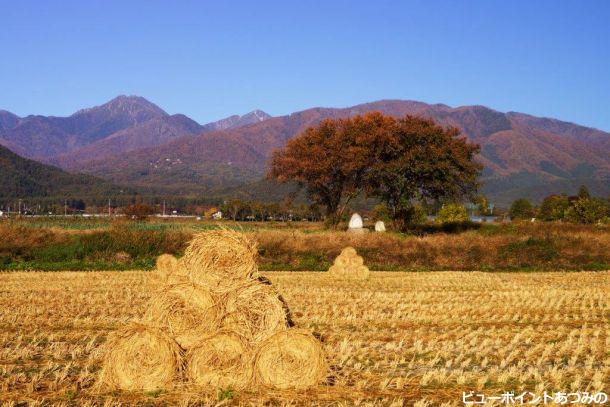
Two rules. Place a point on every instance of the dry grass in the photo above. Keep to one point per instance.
(517, 246)
(397, 338)
(539, 247)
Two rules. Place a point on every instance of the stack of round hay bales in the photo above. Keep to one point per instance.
(349, 265)
(214, 323)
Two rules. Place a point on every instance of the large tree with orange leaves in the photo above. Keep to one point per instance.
(422, 161)
(331, 159)
(394, 160)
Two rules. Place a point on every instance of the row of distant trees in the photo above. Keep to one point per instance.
(581, 208)
(242, 210)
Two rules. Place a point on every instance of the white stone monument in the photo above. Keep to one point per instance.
(379, 226)
(356, 225)
(355, 222)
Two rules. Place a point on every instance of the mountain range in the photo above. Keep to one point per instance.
(131, 141)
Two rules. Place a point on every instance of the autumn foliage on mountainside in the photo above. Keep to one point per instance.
(396, 160)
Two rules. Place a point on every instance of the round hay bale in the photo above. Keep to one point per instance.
(350, 272)
(138, 357)
(341, 261)
(357, 261)
(188, 312)
(166, 263)
(289, 320)
(223, 360)
(291, 359)
(255, 311)
(346, 257)
(169, 269)
(216, 257)
(349, 252)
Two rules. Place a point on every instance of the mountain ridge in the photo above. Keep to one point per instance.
(123, 124)
(231, 122)
(23, 178)
(509, 147)
(42, 137)
(8, 120)
(175, 153)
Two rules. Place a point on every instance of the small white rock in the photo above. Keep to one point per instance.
(355, 222)
(379, 226)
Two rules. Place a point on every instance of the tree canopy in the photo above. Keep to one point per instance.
(396, 160)
(582, 208)
(452, 213)
(332, 159)
(521, 209)
(553, 207)
(421, 161)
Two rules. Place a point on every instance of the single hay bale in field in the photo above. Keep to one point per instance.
(222, 360)
(169, 269)
(166, 263)
(219, 257)
(348, 258)
(255, 311)
(186, 311)
(138, 357)
(349, 265)
(348, 252)
(291, 359)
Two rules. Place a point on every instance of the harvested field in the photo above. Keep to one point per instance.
(394, 339)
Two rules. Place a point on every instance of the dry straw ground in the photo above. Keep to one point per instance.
(394, 339)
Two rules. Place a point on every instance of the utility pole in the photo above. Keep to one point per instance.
(164, 208)
(65, 207)
(108, 207)
(20, 207)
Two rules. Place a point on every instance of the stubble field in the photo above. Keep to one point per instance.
(397, 339)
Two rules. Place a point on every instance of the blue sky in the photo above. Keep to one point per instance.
(210, 59)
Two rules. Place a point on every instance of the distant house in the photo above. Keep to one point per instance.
(217, 215)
